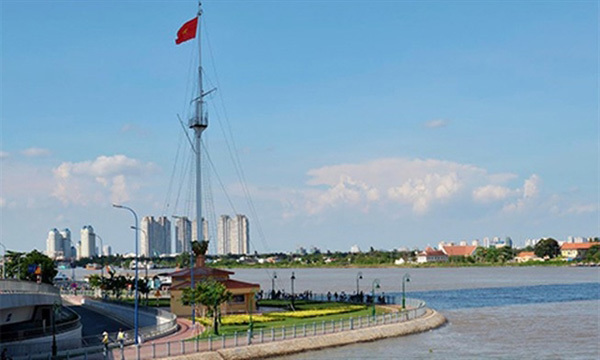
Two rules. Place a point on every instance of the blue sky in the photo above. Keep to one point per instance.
(385, 124)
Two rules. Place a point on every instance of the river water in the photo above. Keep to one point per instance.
(492, 312)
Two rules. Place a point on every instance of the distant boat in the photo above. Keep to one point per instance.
(93, 266)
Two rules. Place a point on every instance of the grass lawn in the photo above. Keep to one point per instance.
(299, 322)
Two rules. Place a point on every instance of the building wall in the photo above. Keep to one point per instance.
(179, 309)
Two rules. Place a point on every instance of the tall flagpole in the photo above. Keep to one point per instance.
(199, 124)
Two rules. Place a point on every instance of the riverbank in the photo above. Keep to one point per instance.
(431, 320)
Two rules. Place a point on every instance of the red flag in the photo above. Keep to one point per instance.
(187, 31)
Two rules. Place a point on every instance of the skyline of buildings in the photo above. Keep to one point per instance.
(232, 238)
(156, 238)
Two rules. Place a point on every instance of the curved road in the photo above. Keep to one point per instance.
(95, 323)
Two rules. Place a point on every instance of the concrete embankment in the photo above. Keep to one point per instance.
(431, 320)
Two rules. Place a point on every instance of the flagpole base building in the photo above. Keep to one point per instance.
(242, 292)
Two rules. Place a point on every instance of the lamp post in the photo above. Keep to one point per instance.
(55, 308)
(273, 285)
(358, 277)
(145, 263)
(100, 256)
(293, 278)
(405, 279)
(135, 316)
(375, 286)
(250, 323)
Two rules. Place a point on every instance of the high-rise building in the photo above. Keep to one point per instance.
(183, 234)
(239, 235)
(54, 244)
(204, 229)
(59, 246)
(68, 248)
(232, 235)
(156, 236)
(88, 242)
(106, 250)
(164, 235)
(223, 235)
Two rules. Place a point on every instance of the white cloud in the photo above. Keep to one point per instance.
(529, 193)
(87, 181)
(417, 183)
(530, 188)
(4, 155)
(422, 192)
(346, 191)
(582, 208)
(2, 202)
(35, 152)
(436, 123)
(489, 193)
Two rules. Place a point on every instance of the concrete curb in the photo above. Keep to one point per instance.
(431, 320)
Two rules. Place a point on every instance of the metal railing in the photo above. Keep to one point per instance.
(153, 350)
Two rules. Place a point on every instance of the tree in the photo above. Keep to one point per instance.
(211, 294)
(199, 247)
(593, 254)
(24, 265)
(506, 254)
(182, 260)
(547, 247)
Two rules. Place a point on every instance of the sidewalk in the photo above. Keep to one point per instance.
(185, 331)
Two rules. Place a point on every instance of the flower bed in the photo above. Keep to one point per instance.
(315, 312)
(236, 319)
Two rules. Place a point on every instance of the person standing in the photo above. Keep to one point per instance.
(121, 337)
(105, 343)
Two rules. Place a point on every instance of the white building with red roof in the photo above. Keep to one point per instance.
(575, 251)
(431, 255)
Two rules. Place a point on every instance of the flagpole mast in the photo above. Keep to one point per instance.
(199, 124)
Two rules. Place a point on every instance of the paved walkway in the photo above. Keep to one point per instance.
(185, 331)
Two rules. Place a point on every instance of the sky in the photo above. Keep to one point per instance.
(384, 124)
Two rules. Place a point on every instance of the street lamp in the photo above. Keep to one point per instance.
(100, 256)
(375, 286)
(135, 316)
(273, 285)
(145, 263)
(293, 278)
(358, 277)
(405, 279)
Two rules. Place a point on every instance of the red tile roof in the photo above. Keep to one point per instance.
(523, 254)
(229, 284)
(459, 250)
(432, 252)
(578, 246)
(201, 272)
